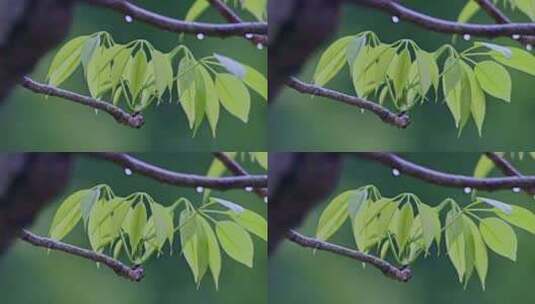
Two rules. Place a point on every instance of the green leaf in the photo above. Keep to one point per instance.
(214, 252)
(68, 214)
(502, 50)
(468, 11)
(506, 208)
(256, 7)
(196, 9)
(452, 87)
(212, 101)
(499, 236)
(99, 226)
(87, 203)
(163, 72)
(194, 243)
(477, 98)
(262, 159)
(494, 79)
(256, 81)
(331, 61)
(455, 243)
(402, 223)
(399, 71)
(98, 72)
(520, 217)
(355, 201)
(186, 88)
(163, 223)
(527, 7)
(251, 221)
(233, 95)
(120, 209)
(521, 60)
(236, 242)
(431, 228)
(134, 223)
(66, 61)
(88, 49)
(481, 260)
(428, 71)
(136, 73)
(483, 167)
(354, 48)
(334, 215)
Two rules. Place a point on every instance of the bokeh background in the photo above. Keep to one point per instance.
(297, 275)
(29, 122)
(300, 123)
(30, 275)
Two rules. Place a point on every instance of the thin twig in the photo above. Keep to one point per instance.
(495, 13)
(132, 273)
(183, 179)
(506, 167)
(399, 120)
(391, 271)
(122, 117)
(180, 26)
(237, 170)
(227, 13)
(444, 26)
(445, 179)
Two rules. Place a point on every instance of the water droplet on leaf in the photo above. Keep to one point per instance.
(395, 172)
(200, 36)
(128, 18)
(395, 19)
(199, 189)
(127, 171)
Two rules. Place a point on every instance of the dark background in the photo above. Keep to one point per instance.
(30, 122)
(31, 275)
(297, 275)
(301, 123)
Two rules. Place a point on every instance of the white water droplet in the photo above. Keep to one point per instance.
(200, 36)
(128, 18)
(265, 200)
(249, 189)
(467, 190)
(395, 19)
(395, 172)
(127, 171)
(249, 36)
(516, 189)
(96, 111)
(516, 36)
(529, 47)
(260, 46)
(362, 111)
(199, 189)
(467, 37)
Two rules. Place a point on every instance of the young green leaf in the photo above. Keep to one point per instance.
(499, 236)
(66, 61)
(334, 215)
(402, 225)
(189, 238)
(455, 244)
(233, 95)
(214, 252)
(236, 242)
(452, 87)
(136, 70)
(212, 100)
(134, 223)
(230, 205)
(483, 167)
(477, 98)
(88, 49)
(428, 71)
(331, 61)
(68, 214)
(163, 72)
(521, 60)
(354, 48)
(506, 208)
(232, 66)
(251, 221)
(87, 203)
(187, 88)
(520, 217)
(431, 228)
(481, 260)
(99, 226)
(494, 79)
(399, 71)
(256, 81)
(196, 9)
(163, 223)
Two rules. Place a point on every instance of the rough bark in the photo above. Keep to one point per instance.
(28, 30)
(297, 183)
(27, 183)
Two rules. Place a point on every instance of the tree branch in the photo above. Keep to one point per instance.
(445, 26)
(122, 117)
(237, 170)
(495, 13)
(389, 270)
(180, 26)
(507, 168)
(183, 179)
(132, 273)
(227, 13)
(398, 120)
(446, 179)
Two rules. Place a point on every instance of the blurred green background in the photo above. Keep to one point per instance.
(298, 276)
(30, 275)
(28, 122)
(300, 123)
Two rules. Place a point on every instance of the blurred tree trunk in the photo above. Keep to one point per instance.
(297, 183)
(28, 30)
(27, 182)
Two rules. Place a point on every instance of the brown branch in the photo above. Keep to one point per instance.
(237, 170)
(495, 13)
(398, 120)
(444, 26)
(391, 271)
(227, 13)
(446, 179)
(132, 273)
(122, 117)
(183, 179)
(180, 26)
